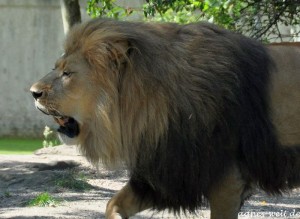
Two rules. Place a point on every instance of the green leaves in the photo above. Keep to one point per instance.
(257, 19)
(107, 8)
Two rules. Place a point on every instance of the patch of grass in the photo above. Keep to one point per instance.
(19, 146)
(73, 181)
(43, 200)
(7, 194)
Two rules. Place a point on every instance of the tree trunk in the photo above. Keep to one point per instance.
(70, 10)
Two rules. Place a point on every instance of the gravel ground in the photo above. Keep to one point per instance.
(23, 177)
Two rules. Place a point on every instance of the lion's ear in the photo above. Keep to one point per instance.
(118, 51)
(104, 52)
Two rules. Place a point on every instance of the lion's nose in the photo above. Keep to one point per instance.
(36, 93)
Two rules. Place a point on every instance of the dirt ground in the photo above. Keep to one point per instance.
(23, 177)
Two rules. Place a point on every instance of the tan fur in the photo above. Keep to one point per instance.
(285, 93)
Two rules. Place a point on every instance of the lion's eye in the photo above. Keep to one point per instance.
(67, 73)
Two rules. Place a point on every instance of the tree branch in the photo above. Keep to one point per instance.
(263, 31)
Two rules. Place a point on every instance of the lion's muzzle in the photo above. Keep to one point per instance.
(67, 125)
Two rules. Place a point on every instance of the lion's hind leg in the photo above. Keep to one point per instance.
(226, 196)
(125, 204)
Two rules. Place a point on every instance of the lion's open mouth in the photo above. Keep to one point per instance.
(67, 126)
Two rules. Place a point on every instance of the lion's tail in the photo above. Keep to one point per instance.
(276, 171)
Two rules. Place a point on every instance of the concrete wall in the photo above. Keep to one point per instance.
(31, 38)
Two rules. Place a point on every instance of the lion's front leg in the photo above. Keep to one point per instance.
(124, 204)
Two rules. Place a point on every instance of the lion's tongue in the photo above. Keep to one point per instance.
(67, 126)
(61, 120)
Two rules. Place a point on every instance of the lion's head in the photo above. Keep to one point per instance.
(58, 93)
(92, 95)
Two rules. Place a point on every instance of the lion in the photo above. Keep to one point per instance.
(188, 109)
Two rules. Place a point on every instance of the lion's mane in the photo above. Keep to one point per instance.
(179, 105)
